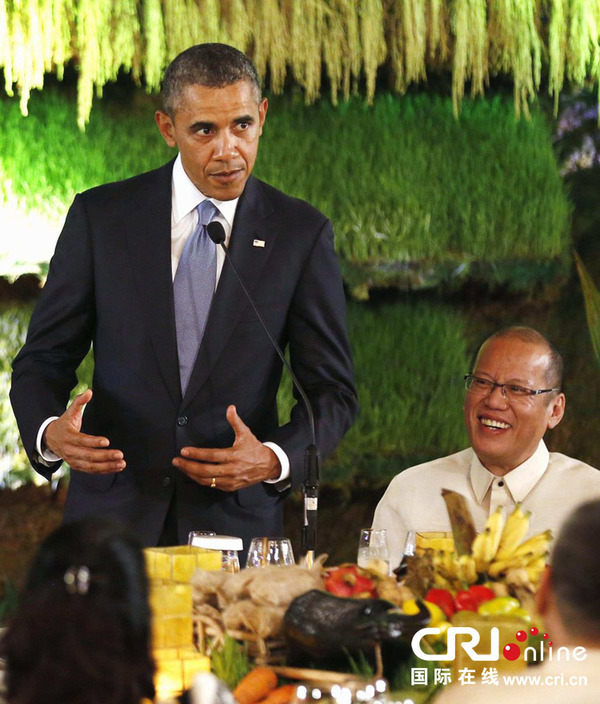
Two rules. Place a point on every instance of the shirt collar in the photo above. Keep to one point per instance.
(519, 481)
(186, 197)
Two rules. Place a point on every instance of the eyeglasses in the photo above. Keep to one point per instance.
(512, 392)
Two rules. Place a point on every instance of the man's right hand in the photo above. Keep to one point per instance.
(85, 453)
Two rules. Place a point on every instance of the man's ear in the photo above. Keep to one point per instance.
(542, 596)
(557, 410)
(262, 114)
(166, 127)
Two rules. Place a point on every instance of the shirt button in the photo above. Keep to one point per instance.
(182, 420)
(501, 483)
(166, 481)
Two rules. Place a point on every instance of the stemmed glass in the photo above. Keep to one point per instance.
(373, 549)
(270, 551)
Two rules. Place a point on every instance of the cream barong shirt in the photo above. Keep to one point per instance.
(549, 485)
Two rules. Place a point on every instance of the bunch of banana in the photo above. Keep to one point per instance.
(530, 555)
(500, 547)
(452, 571)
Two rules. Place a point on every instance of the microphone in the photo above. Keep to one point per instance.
(216, 232)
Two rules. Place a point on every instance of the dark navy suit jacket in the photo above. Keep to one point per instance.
(110, 283)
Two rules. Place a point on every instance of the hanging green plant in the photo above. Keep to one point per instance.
(347, 40)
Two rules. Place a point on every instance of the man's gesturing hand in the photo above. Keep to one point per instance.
(247, 462)
(86, 453)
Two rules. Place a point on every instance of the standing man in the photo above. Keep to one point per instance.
(514, 394)
(180, 430)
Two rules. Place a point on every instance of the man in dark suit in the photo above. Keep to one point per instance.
(163, 453)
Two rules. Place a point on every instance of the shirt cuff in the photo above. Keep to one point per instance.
(283, 461)
(46, 456)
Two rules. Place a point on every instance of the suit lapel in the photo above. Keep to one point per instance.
(230, 300)
(149, 240)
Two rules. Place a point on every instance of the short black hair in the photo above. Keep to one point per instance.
(576, 571)
(211, 65)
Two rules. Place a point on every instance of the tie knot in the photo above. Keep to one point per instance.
(206, 212)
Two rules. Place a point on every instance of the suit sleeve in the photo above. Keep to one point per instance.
(320, 357)
(59, 336)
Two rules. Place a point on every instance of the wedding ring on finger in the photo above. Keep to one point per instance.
(213, 483)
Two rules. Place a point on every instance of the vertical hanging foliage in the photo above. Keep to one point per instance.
(470, 49)
(270, 45)
(373, 44)
(557, 48)
(306, 29)
(341, 47)
(346, 40)
(156, 45)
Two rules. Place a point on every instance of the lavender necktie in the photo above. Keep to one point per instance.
(193, 289)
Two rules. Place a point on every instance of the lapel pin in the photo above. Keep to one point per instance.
(258, 243)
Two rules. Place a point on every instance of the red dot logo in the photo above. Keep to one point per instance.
(521, 636)
(511, 651)
(534, 631)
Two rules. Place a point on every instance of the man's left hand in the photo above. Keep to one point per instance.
(247, 462)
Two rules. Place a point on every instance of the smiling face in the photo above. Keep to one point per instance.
(505, 433)
(217, 132)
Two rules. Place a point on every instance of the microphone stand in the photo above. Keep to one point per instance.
(312, 458)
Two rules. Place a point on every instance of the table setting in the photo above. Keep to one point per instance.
(333, 632)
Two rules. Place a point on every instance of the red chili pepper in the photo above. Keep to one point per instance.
(442, 598)
(465, 601)
(481, 593)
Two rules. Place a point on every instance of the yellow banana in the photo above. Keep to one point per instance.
(535, 568)
(451, 565)
(441, 582)
(536, 545)
(486, 543)
(514, 531)
(478, 551)
(513, 561)
(467, 568)
(495, 524)
(498, 567)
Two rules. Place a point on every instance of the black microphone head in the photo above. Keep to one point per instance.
(216, 232)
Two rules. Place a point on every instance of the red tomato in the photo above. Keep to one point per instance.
(347, 581)
(363, 585)
(465, 601)
(481, 593)
(442, 598)
(338, 587)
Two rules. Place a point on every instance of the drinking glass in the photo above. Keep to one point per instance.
(373, 549)
(270, 551)
(410, 544)
(230, 561)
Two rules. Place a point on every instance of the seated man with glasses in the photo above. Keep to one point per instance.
(513, 396)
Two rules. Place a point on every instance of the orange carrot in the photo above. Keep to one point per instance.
(282, 695)
(256, 685)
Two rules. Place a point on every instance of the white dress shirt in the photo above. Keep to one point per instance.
(549, 485)
(185, 198)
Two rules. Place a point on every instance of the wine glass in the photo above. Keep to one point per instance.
(373, 549)
(410, 546)
(270, 551)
